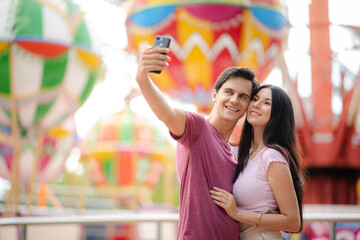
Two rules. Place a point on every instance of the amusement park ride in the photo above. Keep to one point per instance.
(331, 144)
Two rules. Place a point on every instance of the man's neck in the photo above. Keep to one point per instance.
(225, 128)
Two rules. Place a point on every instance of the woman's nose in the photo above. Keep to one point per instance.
(256, 104)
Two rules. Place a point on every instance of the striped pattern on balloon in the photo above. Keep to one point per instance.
(124, 150)
(47, 54)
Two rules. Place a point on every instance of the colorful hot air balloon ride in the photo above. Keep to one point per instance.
(52, 150)
(207, 37)
(124, 150)
(48, 66)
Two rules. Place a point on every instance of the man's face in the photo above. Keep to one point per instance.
(232, 99)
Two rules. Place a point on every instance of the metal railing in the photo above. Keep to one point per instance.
(330, 213)
(119, 218)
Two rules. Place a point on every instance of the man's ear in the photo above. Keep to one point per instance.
(214, 95)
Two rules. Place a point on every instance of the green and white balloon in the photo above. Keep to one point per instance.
(47, 61)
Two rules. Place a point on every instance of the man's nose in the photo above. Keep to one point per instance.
(234, 98)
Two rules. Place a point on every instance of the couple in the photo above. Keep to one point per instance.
(266, 179)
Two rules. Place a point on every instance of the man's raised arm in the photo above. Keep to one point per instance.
(153, 59)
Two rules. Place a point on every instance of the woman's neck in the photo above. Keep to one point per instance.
(258, 140)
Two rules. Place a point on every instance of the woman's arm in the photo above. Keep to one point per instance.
(280, 180)
(282, 185)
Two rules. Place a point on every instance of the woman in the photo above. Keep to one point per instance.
(269, 176)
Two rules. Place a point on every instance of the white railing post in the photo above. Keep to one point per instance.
(23, 232)
(332, 231)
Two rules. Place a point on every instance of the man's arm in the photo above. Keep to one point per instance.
(152, 59)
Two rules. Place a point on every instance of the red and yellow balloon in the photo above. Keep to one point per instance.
(124, 150)
(207, 37)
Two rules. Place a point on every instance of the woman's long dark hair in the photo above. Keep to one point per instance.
(279, 134)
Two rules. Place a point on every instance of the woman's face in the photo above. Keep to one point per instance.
(259, 110)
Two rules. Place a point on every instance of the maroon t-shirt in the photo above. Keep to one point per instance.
(204, 160)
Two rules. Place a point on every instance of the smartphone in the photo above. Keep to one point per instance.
(161, 42)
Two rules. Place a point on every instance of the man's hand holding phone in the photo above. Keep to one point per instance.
(154, 59)
(161, 42)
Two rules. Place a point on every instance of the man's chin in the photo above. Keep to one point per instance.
(232, 119)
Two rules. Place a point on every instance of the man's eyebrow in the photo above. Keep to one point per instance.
(268, 99)
(242, 94)
(245, 94)
(229, 89)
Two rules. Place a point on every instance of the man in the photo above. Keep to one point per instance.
(204, 158)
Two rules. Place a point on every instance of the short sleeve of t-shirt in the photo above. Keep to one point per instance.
(271, 155)
(193, 128)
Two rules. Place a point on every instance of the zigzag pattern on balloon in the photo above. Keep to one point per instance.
(224, 42)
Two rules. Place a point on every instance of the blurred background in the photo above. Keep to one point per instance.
(77, 137)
